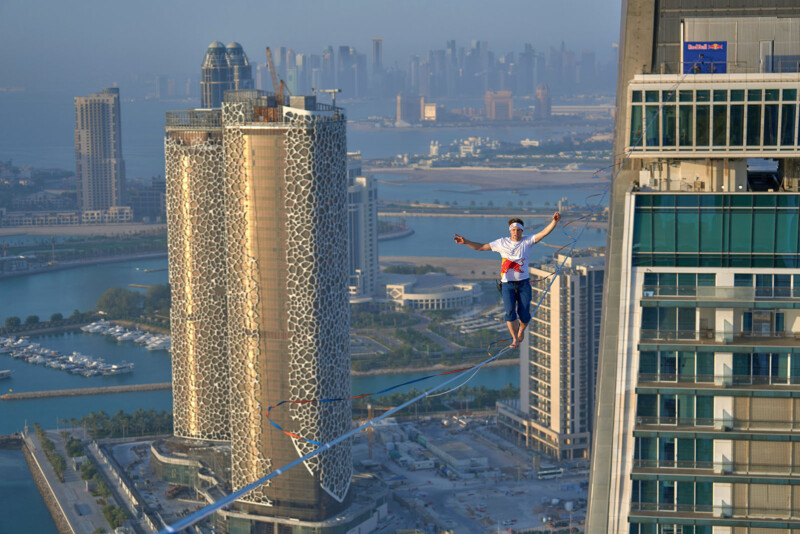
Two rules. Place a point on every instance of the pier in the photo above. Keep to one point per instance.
(132, 388)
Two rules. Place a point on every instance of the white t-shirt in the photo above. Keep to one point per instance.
(515, 256)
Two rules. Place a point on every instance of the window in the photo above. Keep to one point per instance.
(737, 125)
(754, 125)
(636, 125)
(651, 126)
(771, 125)
(720, 126)
(702, 126)
(686, 126)
(668, 137)
(788, 124)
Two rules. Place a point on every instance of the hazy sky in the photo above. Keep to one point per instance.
(85, 44)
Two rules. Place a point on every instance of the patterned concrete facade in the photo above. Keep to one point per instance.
(283, 268)
(195, 222)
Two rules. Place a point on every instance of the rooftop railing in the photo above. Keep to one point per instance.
(724, 67)
(195, 118)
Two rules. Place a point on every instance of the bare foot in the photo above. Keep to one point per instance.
(514, 345)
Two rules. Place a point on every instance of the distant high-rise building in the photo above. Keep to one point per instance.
(543, 107)
(559, 359)
(499, 105)
(697, 418)
(409, 108)
(225, 68)
(328, 75)
(99, 166)
(377, 55)
(362, 206)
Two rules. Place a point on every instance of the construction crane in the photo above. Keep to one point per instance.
(277, 84)
(331, 92)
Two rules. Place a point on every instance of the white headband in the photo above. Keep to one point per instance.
(517, 225)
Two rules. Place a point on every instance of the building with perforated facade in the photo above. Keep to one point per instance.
(698, 396)
(99, 166)
(198, 317)
(258, 232)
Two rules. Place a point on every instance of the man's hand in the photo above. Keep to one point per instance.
(556, 216)
(458, 239)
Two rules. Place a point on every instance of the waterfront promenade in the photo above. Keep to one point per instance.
(74, 510)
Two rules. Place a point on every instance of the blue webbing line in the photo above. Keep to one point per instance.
(228, 499)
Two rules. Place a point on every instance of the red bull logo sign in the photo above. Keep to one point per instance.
(705, 57)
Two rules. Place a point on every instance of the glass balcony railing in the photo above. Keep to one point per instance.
(719, 424)
(711, 336)
(718, 293)
(777, 468)
(728, 380)
(723, 510)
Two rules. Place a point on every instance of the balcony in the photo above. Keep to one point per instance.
(708, 336)
(721, 294)
(690, 467)
(715, 511)
(711, 424)
(728, 381)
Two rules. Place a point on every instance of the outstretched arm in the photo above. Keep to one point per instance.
(549, 228)
(471, 244)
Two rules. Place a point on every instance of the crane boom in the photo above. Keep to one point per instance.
(276, 85)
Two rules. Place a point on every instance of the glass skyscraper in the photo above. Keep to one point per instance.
(697, 427)
(225, 68)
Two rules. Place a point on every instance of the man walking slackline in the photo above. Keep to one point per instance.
(516, 287)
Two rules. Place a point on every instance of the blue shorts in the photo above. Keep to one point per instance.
(517, 300)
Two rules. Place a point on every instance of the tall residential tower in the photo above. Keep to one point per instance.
(559, 359)
(698, 398)
(98, 151)
(258, 226)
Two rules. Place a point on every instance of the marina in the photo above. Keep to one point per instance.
(76, 363)
(149, 340)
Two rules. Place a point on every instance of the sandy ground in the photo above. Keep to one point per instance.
(466, 269)
(84, 230)
(492, 178)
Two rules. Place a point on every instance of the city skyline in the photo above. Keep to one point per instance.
(126, 43)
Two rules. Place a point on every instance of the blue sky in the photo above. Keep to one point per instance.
(93, 43)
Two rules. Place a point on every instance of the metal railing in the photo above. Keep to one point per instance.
(726, 67)
(739, 380)
(724, 510)
(718, 424)
(720, 292)
(720, 467)
(195, 118)
(708, 334)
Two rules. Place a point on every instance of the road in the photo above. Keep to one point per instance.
(72, 494)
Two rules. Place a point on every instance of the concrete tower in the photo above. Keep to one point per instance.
(98, 151)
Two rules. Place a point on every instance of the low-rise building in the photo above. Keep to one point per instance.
(434, 291)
